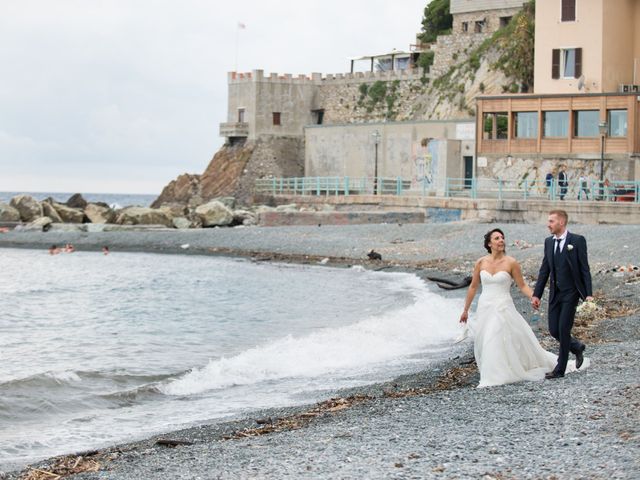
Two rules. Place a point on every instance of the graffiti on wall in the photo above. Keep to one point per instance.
(425, 159)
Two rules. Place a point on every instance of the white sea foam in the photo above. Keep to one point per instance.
(429, 322)
(66, 376)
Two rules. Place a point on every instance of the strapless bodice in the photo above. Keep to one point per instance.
(496, 285)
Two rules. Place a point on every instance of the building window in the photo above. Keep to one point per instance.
(617, 121)
(568, 13)
(556, 124)
(495, 126)
(465, 27)
(504, 21)
(318, 116)
(566, 63)
(276, 118)
(479, 27)
(526, 124)
(586, 123)
(241, 115)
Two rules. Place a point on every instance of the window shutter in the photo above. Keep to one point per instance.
(555, 64)
(568, 10)
(578, 63)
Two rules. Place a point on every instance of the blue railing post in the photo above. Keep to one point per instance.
(526, 189)
(317, 186)
(346, 186)
(274, 185)
(398, 186)
(446, 186)
(474, 188)
(499, 189)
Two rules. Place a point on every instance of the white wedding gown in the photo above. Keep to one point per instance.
(505, 347)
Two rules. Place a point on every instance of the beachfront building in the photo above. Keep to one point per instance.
(585, 112)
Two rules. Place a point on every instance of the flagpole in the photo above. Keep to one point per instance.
(235, 69)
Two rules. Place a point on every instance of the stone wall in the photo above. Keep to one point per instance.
(346, 103)
(534, 168)
(271, 157)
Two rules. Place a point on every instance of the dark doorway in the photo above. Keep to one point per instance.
(468, 171)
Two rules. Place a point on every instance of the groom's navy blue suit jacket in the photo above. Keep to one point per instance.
(575, 250)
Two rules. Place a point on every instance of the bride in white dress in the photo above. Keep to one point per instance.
(505, 347)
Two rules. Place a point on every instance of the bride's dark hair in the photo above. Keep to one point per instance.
(487, 238)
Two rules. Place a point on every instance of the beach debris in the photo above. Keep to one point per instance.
(373, 255)
(63, 467)
(324, 261)
(453, 378)
(168, 442)
(299, 420)
(185, 246)
(447, 284)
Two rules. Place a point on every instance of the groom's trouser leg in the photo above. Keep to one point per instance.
(561, 317)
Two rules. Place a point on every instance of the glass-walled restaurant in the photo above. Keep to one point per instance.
(558, 124)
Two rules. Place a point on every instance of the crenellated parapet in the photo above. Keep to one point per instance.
(318, 79)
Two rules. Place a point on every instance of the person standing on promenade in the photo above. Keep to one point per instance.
(566, 264)
(548, 180)
(563, 182)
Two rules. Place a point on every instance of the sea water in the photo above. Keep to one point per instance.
(99, 349)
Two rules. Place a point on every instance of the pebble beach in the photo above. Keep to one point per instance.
(434, 424)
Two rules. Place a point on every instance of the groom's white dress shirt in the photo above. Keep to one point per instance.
(562, 238)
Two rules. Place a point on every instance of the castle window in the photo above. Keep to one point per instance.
(276, 118)
(465, 27)
(241, 115)
(480, 24)
(568, 11)
(504, 21)
(318, 116)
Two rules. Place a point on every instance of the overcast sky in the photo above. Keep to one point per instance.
(124, 95)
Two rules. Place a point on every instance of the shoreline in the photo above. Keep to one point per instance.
(414, 410)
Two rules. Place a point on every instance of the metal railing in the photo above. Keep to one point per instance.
(332, 186)
(589, 190)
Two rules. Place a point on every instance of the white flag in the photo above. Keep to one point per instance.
(241, 25)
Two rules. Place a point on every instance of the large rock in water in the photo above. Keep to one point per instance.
(50, 212)
(99, 213)
(29, 207)
(214, 214)
(143, 216)
(76, 201)
(8, 213)
(68, 214)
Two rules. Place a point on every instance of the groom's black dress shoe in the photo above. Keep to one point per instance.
(580, 357)
(552, 375)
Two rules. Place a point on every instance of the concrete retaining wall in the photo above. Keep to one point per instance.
(437, 209)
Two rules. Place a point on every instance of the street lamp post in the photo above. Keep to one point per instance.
(376, 140)
(602, 126)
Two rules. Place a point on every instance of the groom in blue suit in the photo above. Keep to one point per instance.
(565, 263)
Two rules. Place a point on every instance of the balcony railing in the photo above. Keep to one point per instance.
(234, 129)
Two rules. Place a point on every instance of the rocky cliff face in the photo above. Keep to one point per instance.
(234, 169)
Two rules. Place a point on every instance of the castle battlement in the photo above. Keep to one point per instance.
(258, 76)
